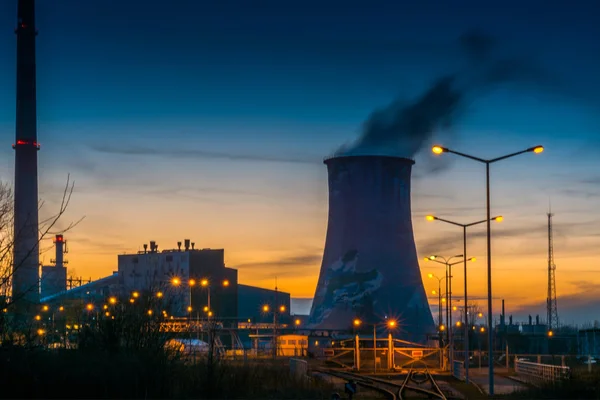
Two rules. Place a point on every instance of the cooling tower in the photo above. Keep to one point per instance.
(370, 268)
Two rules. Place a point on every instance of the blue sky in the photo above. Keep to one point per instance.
(231, 105)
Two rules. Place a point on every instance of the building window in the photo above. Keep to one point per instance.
(292, 342)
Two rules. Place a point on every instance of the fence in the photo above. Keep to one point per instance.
(538, 373)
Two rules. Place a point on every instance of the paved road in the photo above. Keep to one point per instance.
(502, 385)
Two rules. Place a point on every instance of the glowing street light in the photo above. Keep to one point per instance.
(159, 294)
(45, 308)
(112, 300)
(176, 281)
(135, 295)
(192, 282)
(392, 323)
(357, 322)
(38, 317)
(297, 322)
(89, 307)
(204, 282)
(282, 308)
(266, 308)
(437, 149)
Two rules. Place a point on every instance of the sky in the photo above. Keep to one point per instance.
(210, 120)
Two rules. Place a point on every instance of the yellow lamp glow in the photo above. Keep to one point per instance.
(356, 322)
(430, 218)
(437, 149)
(538, 149)
(176, 281)
(204, 282)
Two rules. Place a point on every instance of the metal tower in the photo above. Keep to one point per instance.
(551, 299)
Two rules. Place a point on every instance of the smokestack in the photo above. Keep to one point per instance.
(193, 245)
(145, 248)
(59, 245)
(178, 246)
(510, 320)
(530, 320)
(152, 246)
(186, 244)
(370, 266)
(537, 319)
(25, 288)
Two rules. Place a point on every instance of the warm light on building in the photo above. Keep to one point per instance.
(297, 322)
(159, 294)
(105, 307)
(192, 282)
(204, 282)
(357, 322)
(89, 307)
(189, 308)
(176, 281)
(61, 308)
(41, 332)
(135, 295)
(38, 317)
(150, 312)
(265, 308)
(391, 323)
(45, 308)
(112, 300)
(282, 308)
(225, 283)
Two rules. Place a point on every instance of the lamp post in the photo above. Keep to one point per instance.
(439, 292)
(464, 228)
(449, 293)
(439, 150)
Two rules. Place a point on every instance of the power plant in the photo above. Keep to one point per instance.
(25, 283)
(370, 267)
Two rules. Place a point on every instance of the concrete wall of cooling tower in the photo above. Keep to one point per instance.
(370, 268)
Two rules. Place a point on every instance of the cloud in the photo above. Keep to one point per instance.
(449, 242)
(293, 261)
(196, 153)
(579, 308)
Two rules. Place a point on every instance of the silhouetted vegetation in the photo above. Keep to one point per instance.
(100, 374)
(120, 352)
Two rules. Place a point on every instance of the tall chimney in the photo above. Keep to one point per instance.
(25, 287)
(179, 246)
(193, 245)
(59, 244)
(152, 246)
(186, 244)
(145, 248)
(370, 266)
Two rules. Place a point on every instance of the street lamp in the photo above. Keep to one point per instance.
(448, 265)
(464, 228)
(449, 309)
(439, 293)
(537, 150)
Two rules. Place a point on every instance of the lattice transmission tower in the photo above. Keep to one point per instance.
(551, 299)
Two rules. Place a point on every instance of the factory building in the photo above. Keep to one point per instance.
(54, 277)
(195, 278)
(260, 305)
(188, 278)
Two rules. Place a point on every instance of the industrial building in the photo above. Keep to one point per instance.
(194, 282)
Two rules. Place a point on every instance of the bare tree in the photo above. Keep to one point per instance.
(46, 228)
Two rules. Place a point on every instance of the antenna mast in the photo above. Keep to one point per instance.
(551, 299)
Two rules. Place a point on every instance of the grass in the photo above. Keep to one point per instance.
(94, 374)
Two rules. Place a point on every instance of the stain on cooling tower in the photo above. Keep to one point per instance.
(347, 288)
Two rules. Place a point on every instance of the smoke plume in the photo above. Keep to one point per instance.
(401, 129)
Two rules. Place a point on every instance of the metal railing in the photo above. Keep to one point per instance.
(534, 372)
(458, 370)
